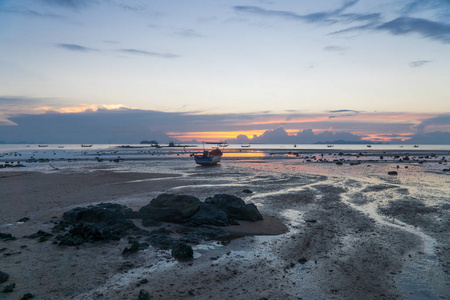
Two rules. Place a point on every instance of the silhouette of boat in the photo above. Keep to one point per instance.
(42, 146)
(209, 158)
(86, 145)
(245, 146)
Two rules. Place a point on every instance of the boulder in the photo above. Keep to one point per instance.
(102, 222)
(144, 295)
(253, 213)
(235, 207)
(150, 223)
(27, 296)
(6, 237)
(182, 252)
(3, 277)
(171, 208)
(9, 288)
(108, 213)
(162, 241)
(209, 214)
(392, 173)
(133, 248)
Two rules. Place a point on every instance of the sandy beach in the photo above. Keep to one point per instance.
(329, 232)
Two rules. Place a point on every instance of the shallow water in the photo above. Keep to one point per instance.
(283, 184)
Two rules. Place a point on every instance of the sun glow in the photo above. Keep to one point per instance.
(208, 136)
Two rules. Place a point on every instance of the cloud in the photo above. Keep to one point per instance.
(325, 17)
(74, 4)
(334, 49)
(76, 48)
(29, 13)
(432, 138)
(428, 29)
(344, 111)
(35, 120)
(418, 63)
(305, 136)
(188, 33)
(439, 121)
(148, 53)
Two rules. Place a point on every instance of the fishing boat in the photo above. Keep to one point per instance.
(209, 158)
(42, 146)
(86, 145)
(245, 146)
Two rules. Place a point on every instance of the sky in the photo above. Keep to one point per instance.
(111, 71)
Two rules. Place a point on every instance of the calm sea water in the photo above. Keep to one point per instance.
(292, 147)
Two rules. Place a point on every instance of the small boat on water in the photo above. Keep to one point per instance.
(209, 158)
(245, 146)
(368, 146)
(42, 146)
(86, 145)
(416, 146)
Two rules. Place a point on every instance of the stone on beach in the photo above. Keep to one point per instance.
(182, 252)
(235, 207)
(3, 277)
(105, 221)
(209, 214)
(171, 208)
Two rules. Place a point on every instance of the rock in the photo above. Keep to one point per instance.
(247, 191)
(144, 295)
(235, 207)
(302, 260)
(446, 170)
(162, 241)
(3, 277)
(392, 173)
(339, 163)
(133, 249)
(171, 208)
(27, 296)
(104, 212)
(209, 214)
(182, 252)
(102, 222)
(253, 213)
(9, 288)
(150, 223)
(42, 235)
(161, 231)
(7, 237)
(26, 219)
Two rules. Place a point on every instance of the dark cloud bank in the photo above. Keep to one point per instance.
(127, 126)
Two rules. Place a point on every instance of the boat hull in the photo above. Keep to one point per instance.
(207, 161)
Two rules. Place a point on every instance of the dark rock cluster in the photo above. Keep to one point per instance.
(198, 221)
(220, 210)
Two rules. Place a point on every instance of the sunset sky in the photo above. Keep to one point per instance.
(377, 70)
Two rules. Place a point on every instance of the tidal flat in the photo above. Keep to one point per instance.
(342, 231)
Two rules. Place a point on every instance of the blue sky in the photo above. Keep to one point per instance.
(339, 66)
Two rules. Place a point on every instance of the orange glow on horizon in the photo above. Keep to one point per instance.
(214, 135)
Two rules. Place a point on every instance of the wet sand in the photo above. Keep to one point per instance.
(319, 240)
